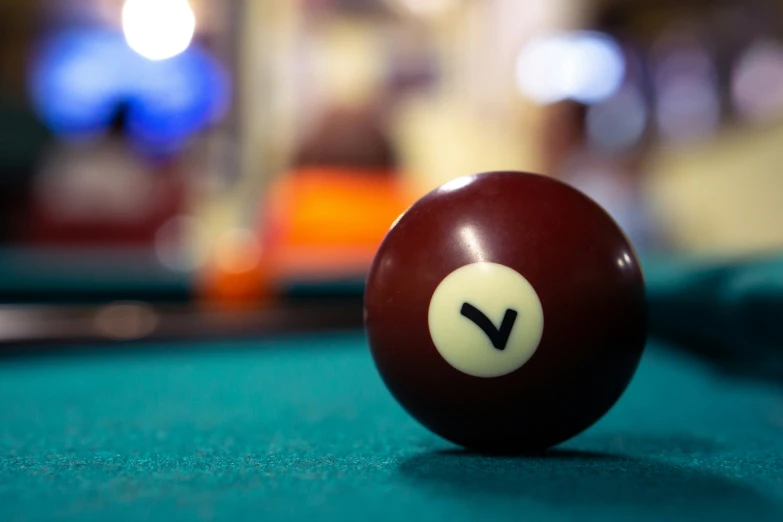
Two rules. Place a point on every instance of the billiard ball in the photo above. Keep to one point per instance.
(505, 311)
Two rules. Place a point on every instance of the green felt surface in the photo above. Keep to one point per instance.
(61, 275)
(303, 429)
(77, 275)
(727, 310)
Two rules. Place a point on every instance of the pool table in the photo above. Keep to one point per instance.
(295, 424)
(300, 427)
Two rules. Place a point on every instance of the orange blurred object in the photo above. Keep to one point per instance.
(319, 224)
(326, 222)
(237, 274)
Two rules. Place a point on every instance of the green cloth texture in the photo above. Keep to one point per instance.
(728, 311)
(302, 428)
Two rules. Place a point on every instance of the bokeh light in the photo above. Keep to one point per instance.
(80, 77)
(126, 320)
(238, 251)
(582, 66)
(158, 29)
(619, 122)
(757, 82)
(427, 8)
(174, 244)
(688, 106)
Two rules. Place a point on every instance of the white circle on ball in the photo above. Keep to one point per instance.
(486, 319)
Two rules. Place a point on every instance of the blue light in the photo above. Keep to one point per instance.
(79, 78)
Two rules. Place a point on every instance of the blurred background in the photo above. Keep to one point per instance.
(234, 154)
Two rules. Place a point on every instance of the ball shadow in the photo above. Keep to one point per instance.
(590, 482)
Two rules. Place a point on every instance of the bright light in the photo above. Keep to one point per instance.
(79, 76)
(396, 221)
(471, 241)
(539, 69)
(158, 29)
(427, 7)
(595, 68)
(456, 184)
(587, 67)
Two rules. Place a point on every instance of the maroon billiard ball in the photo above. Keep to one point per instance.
(506, 311)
